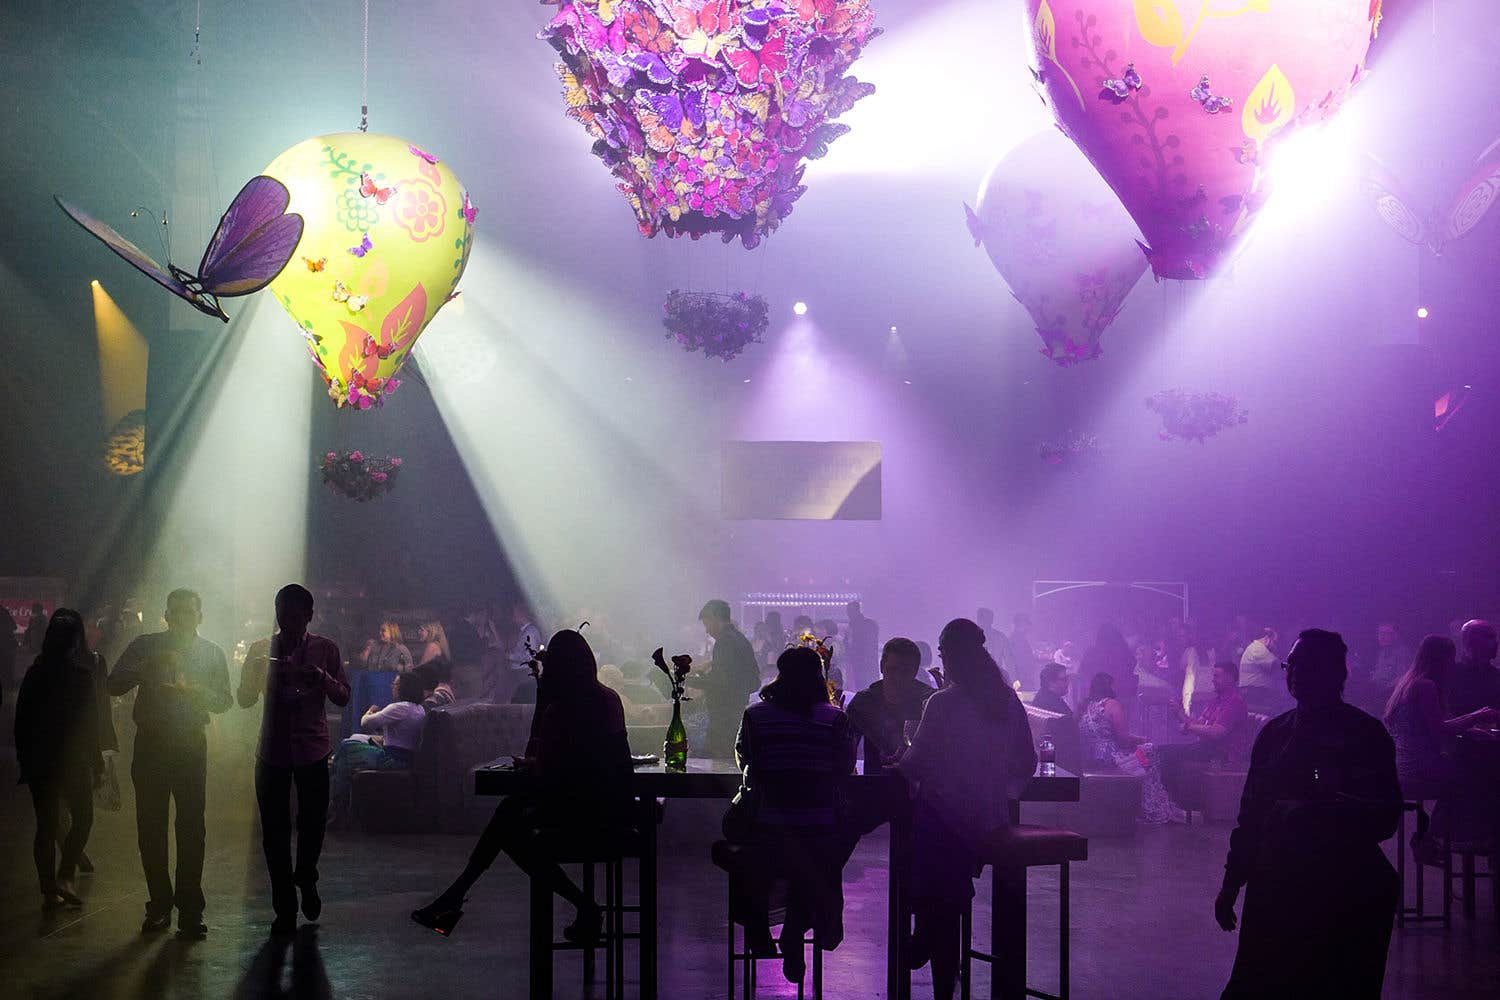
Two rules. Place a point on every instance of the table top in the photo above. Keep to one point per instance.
(708, 778)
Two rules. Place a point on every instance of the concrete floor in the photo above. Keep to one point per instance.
(1141, 921)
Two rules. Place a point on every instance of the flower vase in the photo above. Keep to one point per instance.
(674, 751)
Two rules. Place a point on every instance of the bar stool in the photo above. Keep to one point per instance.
(731, 859)
(1024, 847)
(611, 938)
(1416, 914)
(1469, 876)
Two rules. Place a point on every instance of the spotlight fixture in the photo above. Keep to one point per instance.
(893, 329)
(800, 308)
(1421, 312)
(907, 381)
(745, 381)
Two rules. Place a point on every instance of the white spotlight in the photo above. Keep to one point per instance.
(800, 308)
(1421, 312)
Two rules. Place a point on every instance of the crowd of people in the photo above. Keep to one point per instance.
(1324, 786)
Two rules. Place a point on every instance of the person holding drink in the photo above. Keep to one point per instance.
(884, 715)
(182, 678)
(297, 671)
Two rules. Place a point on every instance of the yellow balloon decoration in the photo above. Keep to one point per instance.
(388, 229)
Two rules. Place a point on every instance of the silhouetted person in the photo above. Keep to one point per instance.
(1420, 725)
(1321, 795)
(581, 759)
(971, 756)
(1475, 682)
(1053, 683)
(57, 748)
(1110, 654)
(864, 640)
(732, 677)
(182, 678)
(299, 672)
(794, 748)
(880, 712)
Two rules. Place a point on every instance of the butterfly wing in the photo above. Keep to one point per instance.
(1385, 194)
(133, 254)
(1477, 195)
(254, 241)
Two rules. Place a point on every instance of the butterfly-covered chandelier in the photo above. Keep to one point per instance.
(704, 110)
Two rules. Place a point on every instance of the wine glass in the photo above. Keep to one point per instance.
(909, 730)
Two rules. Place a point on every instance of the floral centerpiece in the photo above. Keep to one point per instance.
(824, 649)
(703, 110)
(1077, 449)
(1195, 416)
(357, 476)
(682, 665)
(721, 326)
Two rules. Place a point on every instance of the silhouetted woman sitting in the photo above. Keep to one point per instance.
(1417, 720)
(970, 757)
(581, 760)
(57, 747)
(794, 749)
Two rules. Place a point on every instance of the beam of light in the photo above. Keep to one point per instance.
(956, 70)
(222, 506)
(123, 357)
(588, 474)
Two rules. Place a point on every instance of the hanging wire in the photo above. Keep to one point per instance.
(197, 53)
(364, 75)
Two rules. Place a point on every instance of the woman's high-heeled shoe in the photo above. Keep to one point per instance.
(64, 891)
(440, 916)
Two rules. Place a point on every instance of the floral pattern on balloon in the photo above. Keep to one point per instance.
(721, 326)
(1195, 416)
(1058, 236)
(358, 476)
(704, 110)
(1178, 103)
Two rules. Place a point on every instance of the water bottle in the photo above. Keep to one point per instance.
(1046, 755)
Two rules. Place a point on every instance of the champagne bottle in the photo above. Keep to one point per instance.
(675, 749)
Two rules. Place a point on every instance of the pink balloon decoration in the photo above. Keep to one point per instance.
(1176, 102)
(1058, 236)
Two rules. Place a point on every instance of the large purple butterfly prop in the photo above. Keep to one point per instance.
(255, 240)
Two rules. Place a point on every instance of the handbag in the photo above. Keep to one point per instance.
(744, 809)
(107, 791)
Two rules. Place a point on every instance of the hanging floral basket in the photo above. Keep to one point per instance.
(1195, 416)
(357, 476)
(721, 326)
(1077, 449)
(704, 111)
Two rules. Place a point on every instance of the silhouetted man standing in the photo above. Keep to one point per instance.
(1321, 795)
(730, 680)
(297, 670)
(182, 678)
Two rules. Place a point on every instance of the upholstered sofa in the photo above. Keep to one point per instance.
(437, 793)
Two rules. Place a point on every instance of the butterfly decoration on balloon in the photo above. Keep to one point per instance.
(704, 110)
(251, 245)
(1434, 229)
(1178, 103)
